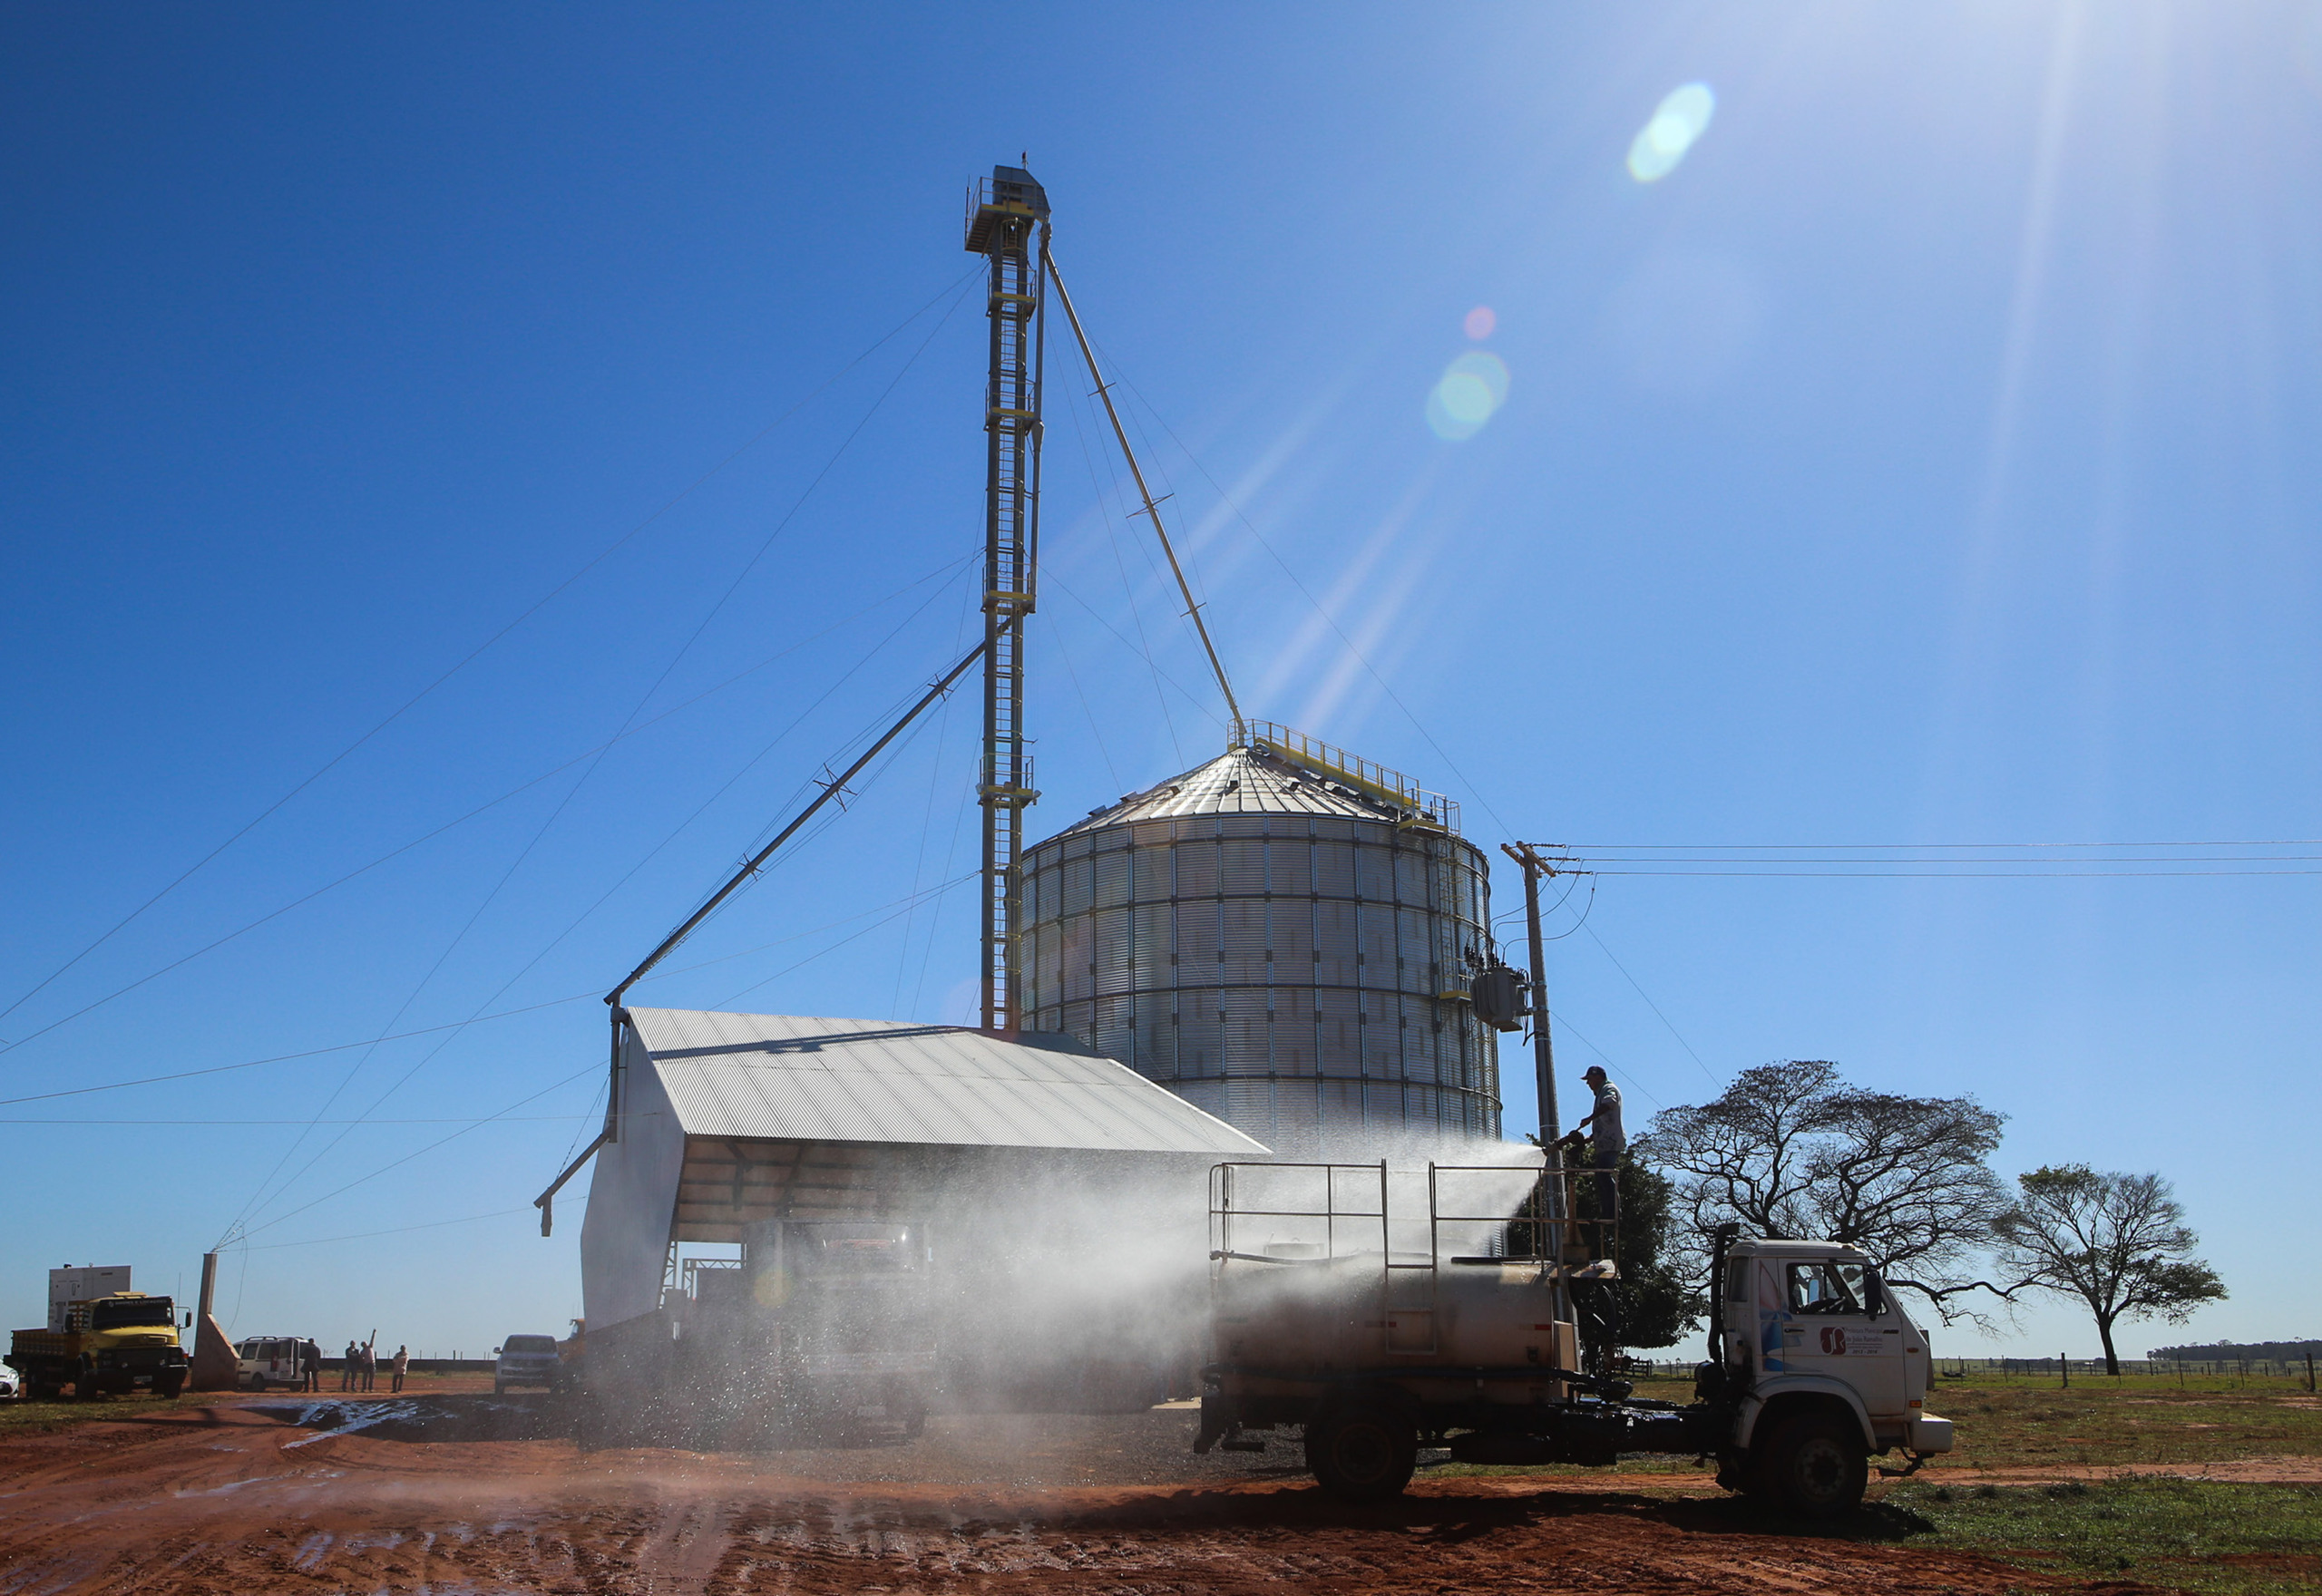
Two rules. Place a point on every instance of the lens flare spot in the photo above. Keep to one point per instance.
(1677, 123)
(1480, 323)
(1471, 390)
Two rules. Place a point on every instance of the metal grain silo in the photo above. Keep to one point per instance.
(1279, 937)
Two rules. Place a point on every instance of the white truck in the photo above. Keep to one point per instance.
(1374, 1334)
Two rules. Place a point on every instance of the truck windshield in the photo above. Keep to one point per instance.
(529, 1344)
(1830, 1286)
(855, 1250)
(116, 1316)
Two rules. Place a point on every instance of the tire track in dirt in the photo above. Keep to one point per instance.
(219, 1502)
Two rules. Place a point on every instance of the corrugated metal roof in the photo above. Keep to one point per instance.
(1240, 781)
(794, 1077)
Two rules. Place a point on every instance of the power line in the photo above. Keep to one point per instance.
(510, 1119)
(1566, 1028)
(450, 1025)
(477, 652)
(486, 807)
(1648, 1003)
(1953, 875)
(397, 1231)
(842, 941)
(1903, 847)
(406, 1158)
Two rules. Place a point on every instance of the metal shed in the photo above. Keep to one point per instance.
(725, 1122)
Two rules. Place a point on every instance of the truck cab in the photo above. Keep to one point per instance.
(1821, 1366)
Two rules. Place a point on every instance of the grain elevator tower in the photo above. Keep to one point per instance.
(1004, 214)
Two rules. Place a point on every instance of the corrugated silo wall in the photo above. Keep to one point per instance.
(1281, 971)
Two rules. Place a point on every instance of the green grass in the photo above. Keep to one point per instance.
(2019, 1423)
(2180, 1534)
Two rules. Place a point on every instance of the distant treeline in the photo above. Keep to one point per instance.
(2233, 1351)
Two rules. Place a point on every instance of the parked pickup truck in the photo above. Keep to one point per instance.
(109, 1345)
(527, 1360)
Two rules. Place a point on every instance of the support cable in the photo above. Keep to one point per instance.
(545, 1202)
(1152, 506)
(756, 861)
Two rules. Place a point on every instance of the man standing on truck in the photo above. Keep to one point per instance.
(1603, 1128)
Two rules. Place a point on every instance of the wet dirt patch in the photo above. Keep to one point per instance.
(453, 1417)
(312, 1495)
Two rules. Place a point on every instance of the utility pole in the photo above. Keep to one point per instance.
(1543, 1057)
(1543, 1063)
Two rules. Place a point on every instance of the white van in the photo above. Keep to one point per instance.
(269, 1363)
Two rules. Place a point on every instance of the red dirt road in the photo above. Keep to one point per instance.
(233, 1499)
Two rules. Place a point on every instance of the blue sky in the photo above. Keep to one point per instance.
(1925, 458)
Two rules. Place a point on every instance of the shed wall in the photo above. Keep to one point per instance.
(632, 1199)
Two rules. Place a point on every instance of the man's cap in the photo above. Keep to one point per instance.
(1594, 1072)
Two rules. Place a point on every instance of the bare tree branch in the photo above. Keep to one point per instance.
(1792, 1151)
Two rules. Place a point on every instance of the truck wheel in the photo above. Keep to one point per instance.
(167, 1386)
(1362, 1453)
(1814, 1465)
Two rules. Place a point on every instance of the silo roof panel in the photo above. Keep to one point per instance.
(796, 1077)
(1239, 781)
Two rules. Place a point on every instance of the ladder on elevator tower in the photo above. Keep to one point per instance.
(1004, 212)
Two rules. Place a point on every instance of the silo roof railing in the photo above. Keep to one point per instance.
(1366, 776)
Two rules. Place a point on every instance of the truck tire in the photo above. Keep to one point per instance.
(1364, 1452)
(1814, 1466)
(167, 1386)
(258, 1382)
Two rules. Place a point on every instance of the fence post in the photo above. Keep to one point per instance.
(2065, 1364)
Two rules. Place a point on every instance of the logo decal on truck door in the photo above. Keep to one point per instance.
(1837, 1340)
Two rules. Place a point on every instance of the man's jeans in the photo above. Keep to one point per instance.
(1607, 1162)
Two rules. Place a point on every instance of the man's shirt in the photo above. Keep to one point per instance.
(1604, 1124)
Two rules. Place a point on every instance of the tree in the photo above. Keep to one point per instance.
(1792, 1151)
(2118, 1242)
(1652, 1304)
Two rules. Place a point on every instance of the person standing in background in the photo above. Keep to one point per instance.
(310, 1367)
(371, 1362)
(347, 1370)
(400, 1364)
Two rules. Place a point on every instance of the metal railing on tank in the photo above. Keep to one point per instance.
(1541, 1226)
(1366, 776)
